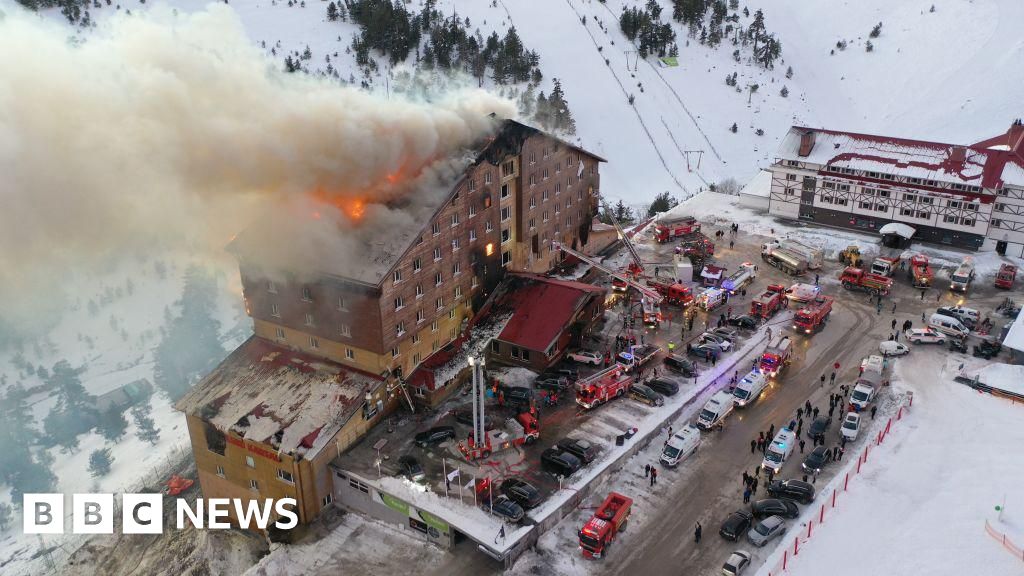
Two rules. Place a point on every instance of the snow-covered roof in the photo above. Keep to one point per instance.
(899, 229)
(1015, 337)
(759, 185)
(267, 393)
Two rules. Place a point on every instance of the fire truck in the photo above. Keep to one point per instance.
(523, 429)
(691, 245)
(604, 386)
(885, 266)
(610, 519)
(650, 299)
(920, 273)
(740, 278)
(672, 292)
(637, 356)
(776, 356)
(813, 316)
(1007, 274)
(789, 262)
(770, 302)
(857, 279)
(668, 229)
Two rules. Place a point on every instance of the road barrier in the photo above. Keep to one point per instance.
(1000, 537)
(800, 540)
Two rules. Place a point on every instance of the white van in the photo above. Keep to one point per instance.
(893, 348)
(948, 325)
(873, 364)
(680, 445)
(961, 278)
(780, 449)
(862, 395)
(717, 408)
(749, 388)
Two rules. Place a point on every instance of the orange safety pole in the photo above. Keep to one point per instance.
(888, 425)
(859, 460)
(796, 546)
(785, 559)
(833, 498)
(809, 526)
(899, 414)
(846, 483)
(821, 517)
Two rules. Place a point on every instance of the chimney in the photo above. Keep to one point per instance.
(806, 143)
(957, 156)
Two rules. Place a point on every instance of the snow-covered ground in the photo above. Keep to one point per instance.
(920, 504)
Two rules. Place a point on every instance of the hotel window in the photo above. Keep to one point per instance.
(309, 319)
(326, 500)
(420, 316)
(433, 327)
(440, 302)
(345, 330)
(505, 191)
(545, 174)
(949, 219)
(220, 471)
(1000, 207)
(906, 212)
(495, 347)
(271, 287)
(533, 223)
(533, 179)
(472, 185)
(924, 215)
(533, 201)
(558, 207)
(350, 354)
(570, 160)
(487, 177)
(437, 254)
(314, 342)
(417, 265)
(533, 157)
(558, 166)
(342, 305)
(456, 244)
(451, 333)
(881, 208)
(419, 291)
(506, 235)
(397, 276)
(416, 358)
(927, 200)
(508, 168)
(395, 352)
(254, 485)
(544, 216)
(568, 221)
(451, 315)
(455, 219)
(910, 197)
(438, 278)
(400, 329)
(399, 303)
(954, 204)
(472, 210)
(472, 234)
(456, 268)
(515, 353)
(791, 177)
(474, 283)
(307, 295)
(558, 188)
(250, 462)
(506, 258)
(506, 213)
(973, 207)
(280, 333)
(435, 228)
(489, 226)
(544, 196)
(996, 223)
(526, 355)
(458, 292)
(285, 476)
(416, 340)
(967, 222)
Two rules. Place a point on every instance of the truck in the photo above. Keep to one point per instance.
(523, 429)
(668, 229)
(815, 257)
(683, 443)
(637, 356)
(603, 386)
(813, 316)
(961, 278)
(739, 279)
(651, 311)
(1005, 277)
(769, 302)
(778, 450)
(749, 388)
(850, 256)
(776, 356)
(885, 265)
(801, 292)
(857, 279)
(789, 262)
(673, 292)
(694, 244)
(715, 410)
(711, 298)
(920, 272)
(602, 528)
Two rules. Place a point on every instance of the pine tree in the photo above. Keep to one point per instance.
(662, 203)
(733, 128)
(74, 412)
(6, 513)
(100, 462)
(332, 12)
(147, 430)
(789, 72)
(784, 92)
(869, 46)
(876, 31)
(561, 117)
(112, 424)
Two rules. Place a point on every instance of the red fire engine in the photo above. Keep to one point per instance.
(1005, 277)
(813, 316)
(776, 356)
(523, 429)
(667, 230)
(857, 279)
(767, 304)
(610, 519)
(673, 293)
(920, 271)
(601, 387)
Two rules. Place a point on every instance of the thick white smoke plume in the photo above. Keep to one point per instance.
(176, 129)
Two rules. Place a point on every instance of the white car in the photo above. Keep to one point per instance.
(737, 563)
(587, 357)
(893, 348)
(965, 315)
(925, 336)
(851, 426)
(722, 342)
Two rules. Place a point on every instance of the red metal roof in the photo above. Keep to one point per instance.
(542, 309)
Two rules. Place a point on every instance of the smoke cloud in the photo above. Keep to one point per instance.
(173, 129)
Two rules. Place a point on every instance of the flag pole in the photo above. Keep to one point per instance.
(444, 470)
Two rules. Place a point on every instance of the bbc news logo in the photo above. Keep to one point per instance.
(144, 513)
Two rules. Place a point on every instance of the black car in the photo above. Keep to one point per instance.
(551, 383)
(466, 417)
(519, 396)
(705, 351)
(411, 468)
(642, 393)
(663, 387)
(987, 349)
(568, 372)
(746, 321)
(434, 436)
(819, 426)
(505, 507)
(792, 489)
(525, 494)
(736, 525)
(958, 345)
(729, 334)
(559, 462)
(585, 450)
(774, 507)
(681, 365)
(815, 461)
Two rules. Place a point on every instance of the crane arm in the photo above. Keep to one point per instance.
(622, 235)
(647, 291)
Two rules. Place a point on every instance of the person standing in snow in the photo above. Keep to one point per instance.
(647, 470)
(696, 533)
(753, 446)
(873, 410)
(801, 446)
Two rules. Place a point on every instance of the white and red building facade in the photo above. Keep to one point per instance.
(957, 195)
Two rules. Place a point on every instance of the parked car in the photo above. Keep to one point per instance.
(520, 396)
(525, 494)
(815, 460)
(681, 365)
(775, 507)
(559, 462)
(587, 357)
(893, 348)
(434, 436)
(550, 383)
(585, 450)
(411, 468)
(765, 530)
(710, 337)
(505, 507)
(746, 322)
(987, 349)
(958, 345)
(735, 525)
(567, 372)
(819, 426)
(730, 334)
(737, 563)
(663, 387)
(465, 416)
(705, 351)
(969, 316)
(925, 336)
(851, 426)
(643, 393)
(792, 489)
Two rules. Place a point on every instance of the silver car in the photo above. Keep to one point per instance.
(737, 563)
(765, 530)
